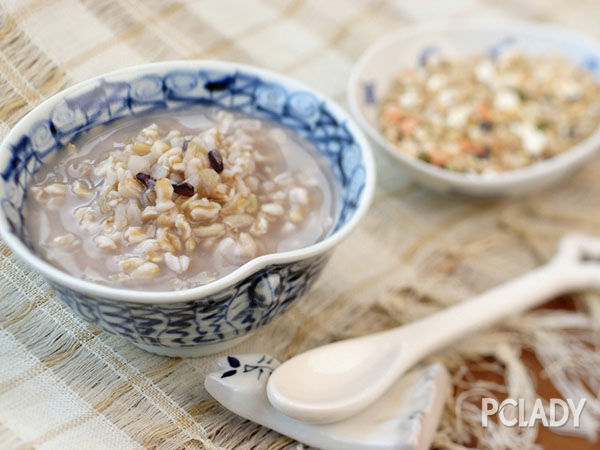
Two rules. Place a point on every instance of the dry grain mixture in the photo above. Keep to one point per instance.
(180, 204)
(490, 115)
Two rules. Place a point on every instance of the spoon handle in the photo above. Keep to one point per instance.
(563, 274)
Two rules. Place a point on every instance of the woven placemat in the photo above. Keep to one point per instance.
(64, 384)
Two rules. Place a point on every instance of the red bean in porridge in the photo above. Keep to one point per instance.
(177, 200)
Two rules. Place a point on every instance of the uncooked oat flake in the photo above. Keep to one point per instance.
(490, 115)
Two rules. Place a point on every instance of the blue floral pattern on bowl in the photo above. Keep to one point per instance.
(251, 302)
(227, 315)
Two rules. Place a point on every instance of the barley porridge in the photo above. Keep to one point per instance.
(488, 115)
(177, 200)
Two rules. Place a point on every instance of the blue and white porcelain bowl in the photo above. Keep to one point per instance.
(215, 316)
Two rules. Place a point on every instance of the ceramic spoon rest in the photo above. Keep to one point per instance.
(405, 417)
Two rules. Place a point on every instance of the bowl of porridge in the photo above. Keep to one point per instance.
(181, 205)
(480, 108)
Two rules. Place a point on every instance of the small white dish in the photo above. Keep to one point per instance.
(405, 418)
(373, 74)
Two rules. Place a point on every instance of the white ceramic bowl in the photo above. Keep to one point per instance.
(207, 318)
(378, 67)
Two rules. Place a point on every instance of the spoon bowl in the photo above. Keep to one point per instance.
(327, 383)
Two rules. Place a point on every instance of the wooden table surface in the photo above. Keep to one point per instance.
(546, 438)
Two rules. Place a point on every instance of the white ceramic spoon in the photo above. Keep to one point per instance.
(336, 381)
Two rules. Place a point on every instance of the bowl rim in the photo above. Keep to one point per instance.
(92, 289)
(565, 160)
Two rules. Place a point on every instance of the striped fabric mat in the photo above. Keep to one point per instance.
(66, 385)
